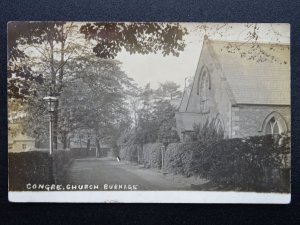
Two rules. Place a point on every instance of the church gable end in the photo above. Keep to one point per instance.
(241, 93)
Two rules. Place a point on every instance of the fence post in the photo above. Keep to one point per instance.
(163, 150)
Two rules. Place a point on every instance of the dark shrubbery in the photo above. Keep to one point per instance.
(251, 164)
(259, 163)
(178, 158)
(27, 167)
(152, 155)
(33, 167)
(208, 131)
(149, 154)
(61, 160)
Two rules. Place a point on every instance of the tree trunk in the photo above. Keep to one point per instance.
(62, 62)
(98, 148)
(65, 140)
(69, 143)
(53, 75)
(88, 146)
(37, 144)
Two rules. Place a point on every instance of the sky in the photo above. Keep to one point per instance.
(155, 68)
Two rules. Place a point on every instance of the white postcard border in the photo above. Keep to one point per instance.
(150, 197)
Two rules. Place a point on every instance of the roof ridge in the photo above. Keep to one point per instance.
(264, 43)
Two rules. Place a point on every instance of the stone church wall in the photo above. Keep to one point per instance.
(219, 102)
(247, 120)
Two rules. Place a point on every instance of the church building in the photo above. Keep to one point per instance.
(245, 87)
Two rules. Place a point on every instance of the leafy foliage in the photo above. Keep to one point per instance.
(129, 153)
(54, 57)
(152, 155)
(156, 118)
(178, 158)
(141, 38)
(207, 131)
(168, 90)
(36, 122)
(33, 167)
(252, 37)
(20, 34)
(260, 163)
(165, 112)
(92, 104)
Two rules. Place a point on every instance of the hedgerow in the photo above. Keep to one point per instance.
(33, 167)
(152, 155)
(260, 163)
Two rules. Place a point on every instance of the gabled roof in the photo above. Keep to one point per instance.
(261, 81)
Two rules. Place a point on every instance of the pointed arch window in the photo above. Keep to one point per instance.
(219, 126)
(274, 124)
(272, 127)
(203, 90)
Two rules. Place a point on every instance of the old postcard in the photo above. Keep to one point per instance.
(149, 112)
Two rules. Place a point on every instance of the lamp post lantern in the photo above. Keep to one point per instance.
(51, 103)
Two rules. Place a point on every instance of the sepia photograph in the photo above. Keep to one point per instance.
(149, 112)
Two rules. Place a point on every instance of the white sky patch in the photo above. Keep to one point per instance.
(155, 68)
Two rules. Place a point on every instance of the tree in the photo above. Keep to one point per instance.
(92, 101)
(135, 104)
(43, 49)
(168, 90)
(100, 90)
(156, 117)
(20, 75)
(165, 114)
(147, 129)
(36, 122)
(252, 35)
(142, 38)
(52, 46)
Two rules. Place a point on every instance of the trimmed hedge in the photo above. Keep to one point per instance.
(178, 158)
(129, 153)
(259, 164)
(251, 164)
(33, 167)
(149, 154)
(152, 155)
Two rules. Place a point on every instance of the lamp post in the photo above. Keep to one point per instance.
(51, 102)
